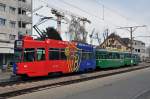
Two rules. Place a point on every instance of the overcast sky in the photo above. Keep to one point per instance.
(117, 13)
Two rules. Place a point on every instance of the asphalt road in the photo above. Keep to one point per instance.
(131, 85)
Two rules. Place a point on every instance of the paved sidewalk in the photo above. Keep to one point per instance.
(5, 75)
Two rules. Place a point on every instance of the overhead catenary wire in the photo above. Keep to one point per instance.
(115, 12)
(86, 12)
(95, 16)
(127, 18)
(98, 17)
(74, 6)
(90, 14)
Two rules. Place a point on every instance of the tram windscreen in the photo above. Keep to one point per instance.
(18, 55)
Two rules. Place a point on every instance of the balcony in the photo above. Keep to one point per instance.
(23, 31)
(6, 33)
(13, 3)
(25, 18)
(4, 37)
(25, 5)
(6, 47)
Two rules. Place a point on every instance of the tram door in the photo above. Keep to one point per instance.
(34, 61)
(40, 63)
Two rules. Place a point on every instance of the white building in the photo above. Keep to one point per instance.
(140, 49)
(15, 20)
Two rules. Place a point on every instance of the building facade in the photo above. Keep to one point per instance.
(115, 42)
(140, 49)
(15, 20)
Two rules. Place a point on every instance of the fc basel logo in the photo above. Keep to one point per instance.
(73, 59)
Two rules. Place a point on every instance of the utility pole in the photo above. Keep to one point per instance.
(91, 36)
(84, 32)
(105, 35)
(131, 30)
(103, 12)
(59, 16)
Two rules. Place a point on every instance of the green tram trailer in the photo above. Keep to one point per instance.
(114, 59)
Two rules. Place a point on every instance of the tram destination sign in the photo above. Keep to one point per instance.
(18, 44)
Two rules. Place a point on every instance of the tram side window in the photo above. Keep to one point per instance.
(62, 54)
(103, 55)
(29, 54)
(100, 56)
(113, 56)
(91, 55)
(40, 54)
(18, 55)
(129, 55)
(116, 56)
(122, 56)
(54, 54)
(134, 56)
(97, 56)
(86, 55)
(110, 55)
(126, 55)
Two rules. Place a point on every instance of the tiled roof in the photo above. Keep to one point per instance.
(123, 41)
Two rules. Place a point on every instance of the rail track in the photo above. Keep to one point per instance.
(22, 87)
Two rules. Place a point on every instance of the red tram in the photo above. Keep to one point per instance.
(39, 58)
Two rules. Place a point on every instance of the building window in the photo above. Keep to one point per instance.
(119, 46)
(22, 0)
(138, 50)
(112, 41)
(23, 25)
(109, 41)
(12, 37)
(142, 44)
(12, 24)
(23, 12)
(143, 50)
(2, 22)
(135, 43)
(19, 10)
(12, 10)
(19, 24)
(2, 7)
